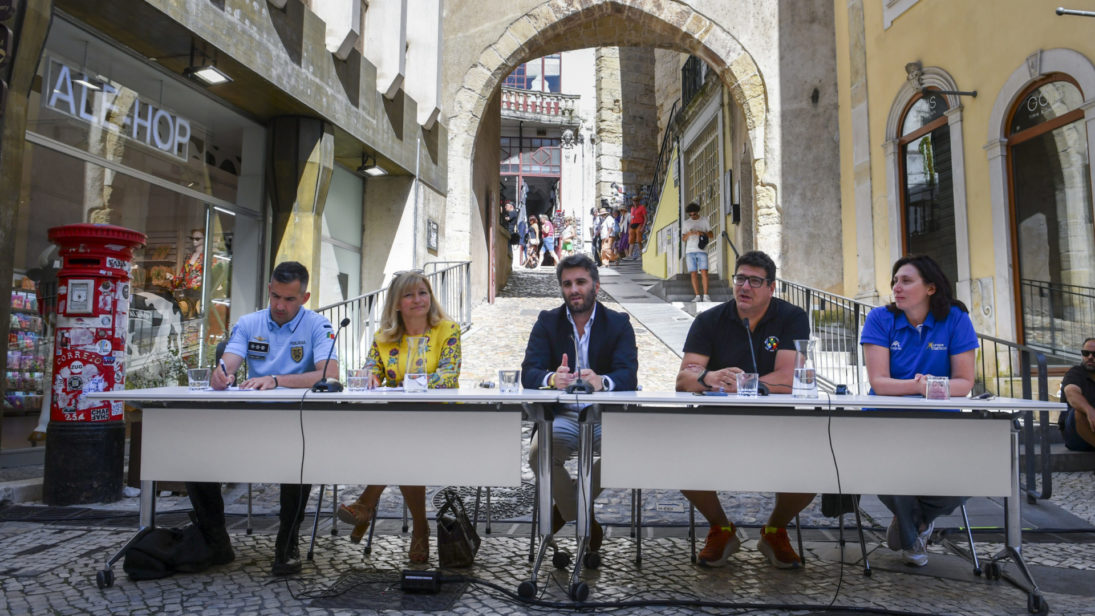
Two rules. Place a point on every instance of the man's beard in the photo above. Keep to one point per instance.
(585, 305)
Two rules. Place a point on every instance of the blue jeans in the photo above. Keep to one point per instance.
(564, 445)
(912, 511)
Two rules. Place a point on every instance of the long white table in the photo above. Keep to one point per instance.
(879, 445)
(465, 437)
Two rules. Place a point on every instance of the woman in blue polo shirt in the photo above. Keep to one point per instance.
(924, 332)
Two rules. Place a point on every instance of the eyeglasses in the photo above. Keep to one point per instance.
(1086, 353)
(754, 281)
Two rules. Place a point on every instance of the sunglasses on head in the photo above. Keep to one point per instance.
(1086, 353)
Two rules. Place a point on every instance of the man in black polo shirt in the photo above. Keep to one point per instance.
(716, 350)
(1078, 390)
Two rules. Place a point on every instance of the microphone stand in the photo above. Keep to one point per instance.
(323, 386)
(578, 386)
(762, 388)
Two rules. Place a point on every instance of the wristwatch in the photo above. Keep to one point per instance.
(700, 379)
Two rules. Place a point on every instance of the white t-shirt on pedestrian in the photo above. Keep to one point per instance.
(693, 242)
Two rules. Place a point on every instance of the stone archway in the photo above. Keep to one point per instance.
(559, 26)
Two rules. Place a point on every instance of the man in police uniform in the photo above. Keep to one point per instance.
(286, 345)
(715, 352)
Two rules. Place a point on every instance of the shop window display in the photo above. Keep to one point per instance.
(27, 352)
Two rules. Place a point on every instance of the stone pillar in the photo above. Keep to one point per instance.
(299, 169)
(626, 119)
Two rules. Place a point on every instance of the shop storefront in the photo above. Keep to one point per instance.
(113, 139)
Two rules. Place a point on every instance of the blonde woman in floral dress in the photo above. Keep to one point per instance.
(409, 310)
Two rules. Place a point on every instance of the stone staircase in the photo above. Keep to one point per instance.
(678, 291)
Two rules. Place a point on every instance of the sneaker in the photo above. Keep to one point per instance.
(893, 536)
(706, 297)
(722, 541)
(917, 556)
(775, 545)
(696, 299)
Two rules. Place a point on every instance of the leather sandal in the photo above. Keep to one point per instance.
(359, 515)
(420, 548)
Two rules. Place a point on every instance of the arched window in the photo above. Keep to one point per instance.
(927, 190)
(1051, 214)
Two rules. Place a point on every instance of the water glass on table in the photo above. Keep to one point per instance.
(198, 379)
(938, 388)
(358, 379)
(747, 384)
(509, 381)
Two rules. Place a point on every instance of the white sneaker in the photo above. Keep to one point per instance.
(696, 299)
(706, 297)
(917, 556)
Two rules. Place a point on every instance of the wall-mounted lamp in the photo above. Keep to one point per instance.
(370, 168)
(914, 72)
(205, 71)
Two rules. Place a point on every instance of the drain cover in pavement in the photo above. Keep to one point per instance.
(379, 591)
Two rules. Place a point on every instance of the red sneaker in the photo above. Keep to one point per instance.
(722, 541)
(775, 545)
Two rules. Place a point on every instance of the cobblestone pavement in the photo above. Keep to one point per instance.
(49, 568)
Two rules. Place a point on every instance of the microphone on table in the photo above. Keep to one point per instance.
(578, 386)
(762, 389)
(323, 385)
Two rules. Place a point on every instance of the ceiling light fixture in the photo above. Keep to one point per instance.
(370, 168)
(205, 71)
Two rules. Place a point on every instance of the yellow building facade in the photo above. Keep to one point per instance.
(995, 186)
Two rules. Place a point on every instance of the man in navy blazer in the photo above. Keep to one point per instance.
(580, 339)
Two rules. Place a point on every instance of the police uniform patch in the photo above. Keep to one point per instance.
(258, 347)
(297, 353)
(771, 344)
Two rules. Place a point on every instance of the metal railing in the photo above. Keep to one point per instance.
(451, 282)
(1057, 317)
(661, 171)
(1004, 368)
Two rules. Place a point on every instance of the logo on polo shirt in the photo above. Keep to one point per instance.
(771, 344)
(296, 352)
(937, 346)
(895, 345)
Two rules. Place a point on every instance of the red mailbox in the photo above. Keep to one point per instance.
(93, 296)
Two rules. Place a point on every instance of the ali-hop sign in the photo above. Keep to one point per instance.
(115, 108)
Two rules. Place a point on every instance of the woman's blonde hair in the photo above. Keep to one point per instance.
(391, 323)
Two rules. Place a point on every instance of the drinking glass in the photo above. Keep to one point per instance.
(747, 384)
(939, 388)
(198, 378)
(509, 381)
(357, 379)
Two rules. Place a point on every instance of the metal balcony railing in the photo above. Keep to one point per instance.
(1004, 368)
(451, 282)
